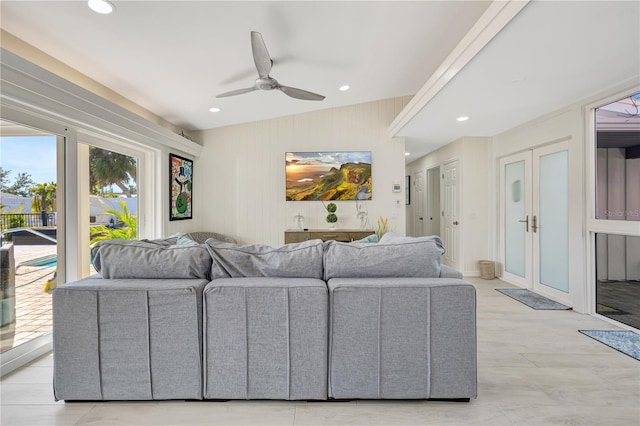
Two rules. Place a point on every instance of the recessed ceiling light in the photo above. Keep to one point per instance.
(101, 6)
(344, 88)
(214, 109)
(407, 153)
(462, 118)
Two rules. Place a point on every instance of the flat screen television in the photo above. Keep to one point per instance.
(324, 176)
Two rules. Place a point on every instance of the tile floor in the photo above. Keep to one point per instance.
(33, 304)
(534, 368)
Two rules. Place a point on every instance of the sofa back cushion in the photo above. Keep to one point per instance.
(147, 259)
(300, 260)
(393, 256)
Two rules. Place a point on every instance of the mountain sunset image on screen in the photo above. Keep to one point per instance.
(323, 176)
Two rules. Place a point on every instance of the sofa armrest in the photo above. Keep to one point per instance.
(449, 272)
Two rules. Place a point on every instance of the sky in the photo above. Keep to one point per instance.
(35, 155)
(334, 159)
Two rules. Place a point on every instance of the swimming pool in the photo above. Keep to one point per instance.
(43, 262)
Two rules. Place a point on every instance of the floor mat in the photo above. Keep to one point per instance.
(626, 342)
(531, 299)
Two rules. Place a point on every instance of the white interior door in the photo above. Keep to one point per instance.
(534, 220)
(433, 212)
(418, 204)
(451, 214)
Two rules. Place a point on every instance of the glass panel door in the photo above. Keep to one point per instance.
(515, 205)
(514, 242)
(534, 220)
(29, 221)
(552, 222)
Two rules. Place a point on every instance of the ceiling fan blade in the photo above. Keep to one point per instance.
(300, 94)
(260, 54)
(236, 92)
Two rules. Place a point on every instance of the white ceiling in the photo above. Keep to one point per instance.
(173, 57)
(552, 54)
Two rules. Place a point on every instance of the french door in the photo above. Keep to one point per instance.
(534, 220)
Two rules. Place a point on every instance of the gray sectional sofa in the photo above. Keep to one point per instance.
(178, 319)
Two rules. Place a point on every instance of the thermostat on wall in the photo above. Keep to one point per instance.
(396, 187)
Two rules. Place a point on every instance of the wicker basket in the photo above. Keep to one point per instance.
(487, 269)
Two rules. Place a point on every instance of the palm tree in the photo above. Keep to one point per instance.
(127, 228)
(111, 168)
(44, 196)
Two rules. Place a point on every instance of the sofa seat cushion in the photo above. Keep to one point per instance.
(128, 339)
(266, 338)
(402, 338)
(297, 260)
(116, 259)
(391, 257)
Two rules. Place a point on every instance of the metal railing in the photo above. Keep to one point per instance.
(27, 220)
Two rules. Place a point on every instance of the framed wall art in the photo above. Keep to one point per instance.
(180, 187)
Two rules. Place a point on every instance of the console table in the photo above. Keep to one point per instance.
(347, 235)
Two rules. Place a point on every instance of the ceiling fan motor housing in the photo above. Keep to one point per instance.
(266, 83)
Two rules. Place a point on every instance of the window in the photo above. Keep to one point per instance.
(614, 223)
(618, 160)
(618, 278)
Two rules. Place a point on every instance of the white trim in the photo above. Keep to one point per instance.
(495, 18)
(25, 353)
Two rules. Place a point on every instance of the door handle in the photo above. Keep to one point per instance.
(534, 224)
(456, 223)
(526, 222)
(420, 218)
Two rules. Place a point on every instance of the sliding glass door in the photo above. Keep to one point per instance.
(30, 220)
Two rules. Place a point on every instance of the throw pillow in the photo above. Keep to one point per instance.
(300, 260)
(391, 257)
(140, 259)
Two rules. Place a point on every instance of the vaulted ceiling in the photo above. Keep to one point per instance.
(173, 57)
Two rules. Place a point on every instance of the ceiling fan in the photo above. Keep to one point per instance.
(265, 81)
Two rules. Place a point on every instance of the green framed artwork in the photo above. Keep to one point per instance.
(180, 187)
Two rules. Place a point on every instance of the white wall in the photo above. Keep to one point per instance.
(472, 152)
(240, 177)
